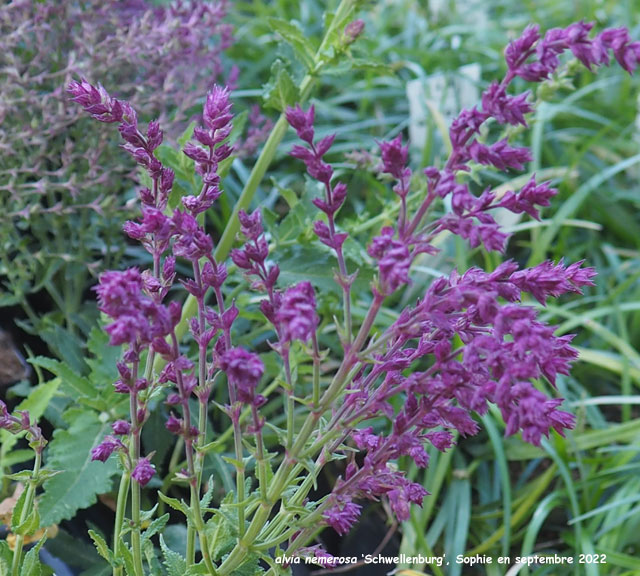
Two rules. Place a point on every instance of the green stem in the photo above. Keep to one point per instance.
(135, 530)
(281, 478)
(237, 442)
(261, 463)
(289, 399)
(27, 508)
(315, 398)
(200, 529)
(134, 452)
(121, 505)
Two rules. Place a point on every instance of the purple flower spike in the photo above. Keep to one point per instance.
(343, 514)
(96, 101)
(251, 225)
(504, 108)
(297, 313)
(136, 317)
(394, 157)
(244, 369)
(302, 122)
(143, 472)
(217, 108)
(174, 425)
(394, 260)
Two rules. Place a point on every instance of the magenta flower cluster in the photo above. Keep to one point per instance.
(133, 300)
(504, 346)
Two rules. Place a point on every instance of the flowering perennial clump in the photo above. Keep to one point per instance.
(467, 342)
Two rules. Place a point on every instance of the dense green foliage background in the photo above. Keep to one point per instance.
(416, 64)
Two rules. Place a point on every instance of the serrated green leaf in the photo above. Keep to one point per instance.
(30, 525)
(197, 570)
(222, 537)
(101, 546)
(25, 475)
(17, 510)
(66, 346)
(82, 479)
(145, 516)
(31, 565)
(22, 476)
(46, 474)
(208, 495)
(127, 558)
(308, 262)
(156, 526)
(174, 563)
(176, 504)
(151, 557)
(250, 567)
(296, 38)
(281, 91)
(233, 461)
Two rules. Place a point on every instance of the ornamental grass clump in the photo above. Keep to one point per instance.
(467, 342)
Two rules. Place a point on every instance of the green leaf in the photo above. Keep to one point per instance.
(294, 36)
(17, 511)
(281, 91)
(127, 557)
(103, 362)
(25, 475)
(31, 565)
(22, 476)
(66, 345)
(311, 263)
(176, 504)
(30, 525)
(250, 567)
(175, 564)
(197, 569)
(6, 557)
(82, 479)
(146, 515)
(222, 537)
(101, 546)
(156, 526)
(208, 495)
(370, 65)
(80, 385)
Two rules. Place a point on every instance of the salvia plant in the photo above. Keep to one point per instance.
(392, 387)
